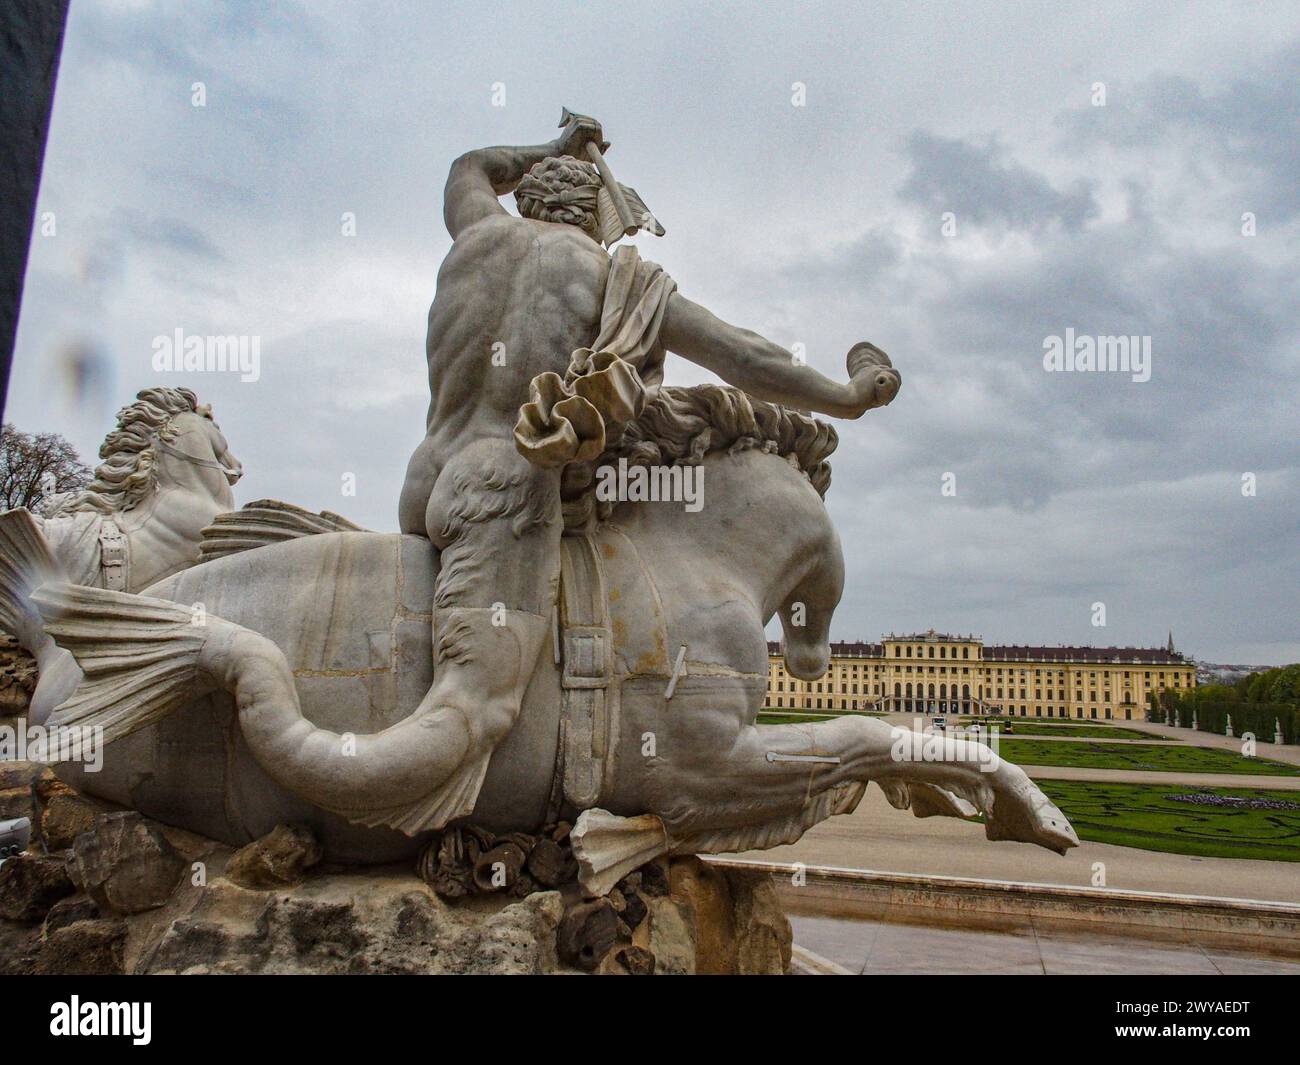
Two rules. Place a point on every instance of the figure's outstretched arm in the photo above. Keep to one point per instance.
(479, 177)
(768, 371)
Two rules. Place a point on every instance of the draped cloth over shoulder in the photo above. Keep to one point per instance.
(569, 418)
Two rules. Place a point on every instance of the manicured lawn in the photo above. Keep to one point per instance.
(1091, 732)
(768, 716)
(1143, 756)
(1147, 816)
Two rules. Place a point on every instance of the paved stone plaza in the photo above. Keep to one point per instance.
(1024, 947)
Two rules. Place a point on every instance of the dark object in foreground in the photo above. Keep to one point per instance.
(14, 837)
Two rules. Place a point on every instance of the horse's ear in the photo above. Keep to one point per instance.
(204, 410)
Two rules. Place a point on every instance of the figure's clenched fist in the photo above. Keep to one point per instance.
(872, 376)
(579, 131)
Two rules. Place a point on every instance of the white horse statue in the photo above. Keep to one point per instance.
(166, 474)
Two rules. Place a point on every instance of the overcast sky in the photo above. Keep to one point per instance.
(820, 225)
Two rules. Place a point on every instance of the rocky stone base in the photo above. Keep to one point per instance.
(127, 895)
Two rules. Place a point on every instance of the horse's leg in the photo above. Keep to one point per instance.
(777, 780)
(806, 614)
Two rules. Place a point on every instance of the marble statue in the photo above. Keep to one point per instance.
(166, 473)
(526, 648)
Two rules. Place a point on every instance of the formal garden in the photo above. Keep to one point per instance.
(1182, 819)
(1139, 757)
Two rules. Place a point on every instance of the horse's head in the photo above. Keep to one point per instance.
(192, 451)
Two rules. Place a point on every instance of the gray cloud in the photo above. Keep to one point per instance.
(1251, 125)
(978, 183)
(817, 226)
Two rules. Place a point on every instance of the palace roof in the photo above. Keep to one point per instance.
(1155, 656)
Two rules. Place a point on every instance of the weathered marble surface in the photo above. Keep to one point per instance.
(526, 651)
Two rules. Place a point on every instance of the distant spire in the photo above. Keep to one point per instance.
(1170, 646)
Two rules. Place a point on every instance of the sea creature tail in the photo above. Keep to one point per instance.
(26, 562)
(140, 656)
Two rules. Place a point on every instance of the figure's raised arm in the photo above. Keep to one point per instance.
(768, 371)
(478, 178)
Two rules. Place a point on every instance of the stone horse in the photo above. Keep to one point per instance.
(166, 473)
(292, 700)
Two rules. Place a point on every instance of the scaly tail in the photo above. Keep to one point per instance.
(140, 656)
(455, 798)
(26, 562)
(143, 658)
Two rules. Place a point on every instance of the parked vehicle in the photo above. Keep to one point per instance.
(14, 837)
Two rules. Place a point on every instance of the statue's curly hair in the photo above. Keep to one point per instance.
(561, 189)
(683, 424)
(129, 468)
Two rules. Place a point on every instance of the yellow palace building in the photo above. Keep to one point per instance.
(937, 673)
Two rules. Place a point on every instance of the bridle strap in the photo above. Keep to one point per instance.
(210, 464)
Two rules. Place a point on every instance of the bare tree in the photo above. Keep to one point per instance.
(34, 465)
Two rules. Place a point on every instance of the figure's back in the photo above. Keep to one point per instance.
(515, 297)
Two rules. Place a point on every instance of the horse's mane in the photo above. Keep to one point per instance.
(682, 425)
(129, 468)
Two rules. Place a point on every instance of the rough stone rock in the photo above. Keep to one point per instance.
(69, 911)
(19, 774)
(19, 946)
(381, 921)
(551, 864)
(764, 939)
(18, 677)
(125, 864)
(276, 860)
(16, 796)
(587, 932)
(703, 889)
(30, 884)
(17, 802)
(84, 948)
(654, 877)
(377, 920)
(65, 814)
(669, 937)
(735, 919)
(634, 910)
(635, 961)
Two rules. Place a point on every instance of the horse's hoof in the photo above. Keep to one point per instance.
(1023, 813)
(1054, 829)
